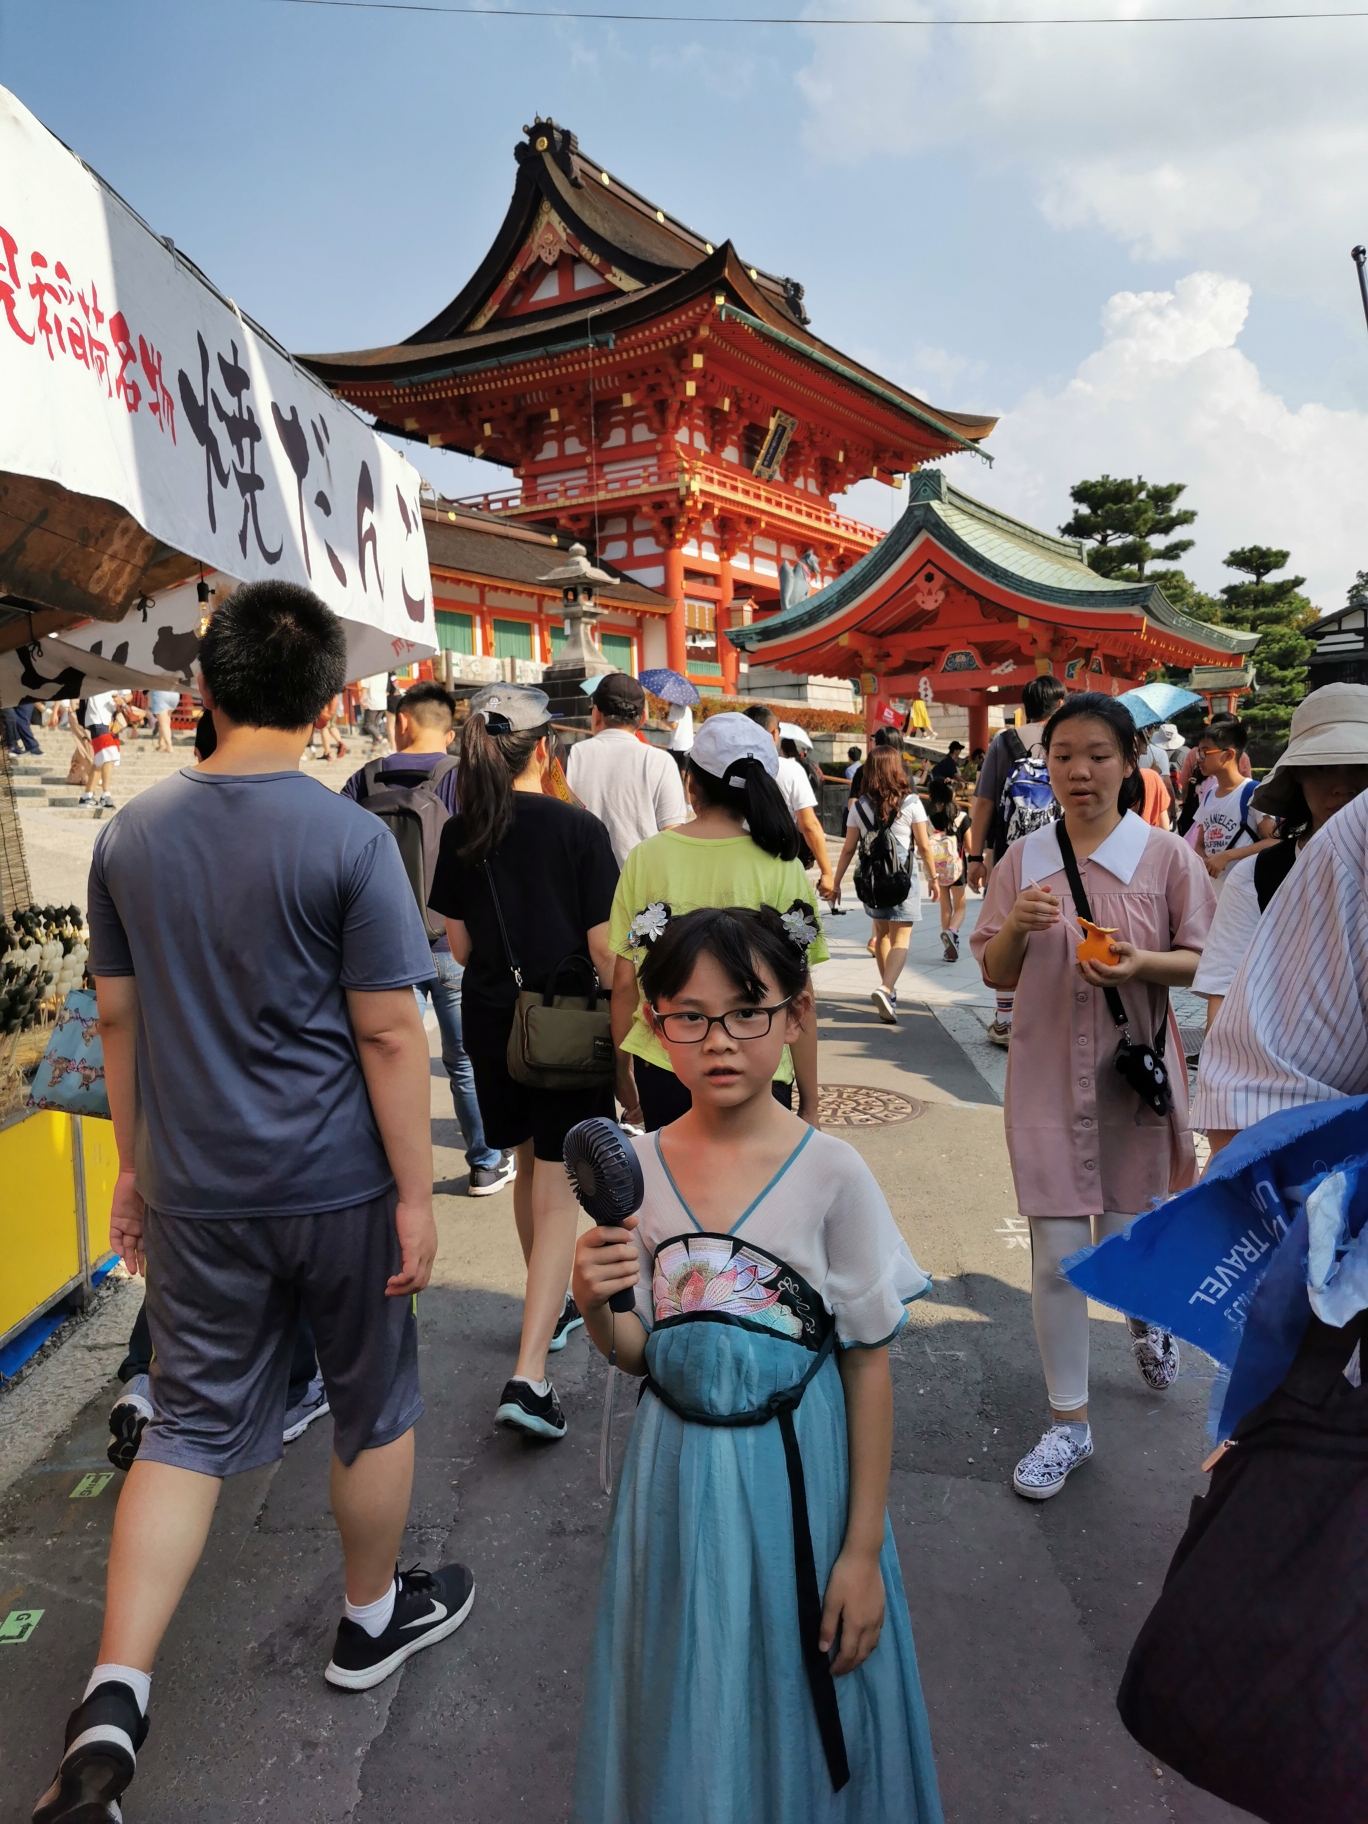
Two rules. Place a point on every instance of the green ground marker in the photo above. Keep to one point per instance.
(90, 1486)
(18, 1625)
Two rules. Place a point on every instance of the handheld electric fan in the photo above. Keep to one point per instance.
(605, 1175)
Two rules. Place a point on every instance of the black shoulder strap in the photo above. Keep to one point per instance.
(1016, 747)
(368, 779)
(1084, 910)
(514, 970)
(864, 819)
(1271, 869)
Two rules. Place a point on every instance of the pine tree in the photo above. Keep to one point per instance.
(1277, 612)
(1121, 517)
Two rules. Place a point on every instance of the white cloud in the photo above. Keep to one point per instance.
(1230, 145)
(1169, 395)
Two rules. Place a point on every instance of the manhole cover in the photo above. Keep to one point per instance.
(855, 1105)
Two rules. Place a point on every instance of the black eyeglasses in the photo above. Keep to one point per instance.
(737, 1023)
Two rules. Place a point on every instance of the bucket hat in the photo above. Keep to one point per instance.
(1329, 728)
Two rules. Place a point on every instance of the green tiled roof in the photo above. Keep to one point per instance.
(1001, 550)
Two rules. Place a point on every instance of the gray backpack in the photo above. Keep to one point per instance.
(414, 815)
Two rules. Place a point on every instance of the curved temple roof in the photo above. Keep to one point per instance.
(641, 262)
(1005, 559)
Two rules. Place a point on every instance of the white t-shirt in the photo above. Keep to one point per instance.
(795, 786)
(1232, 930)
(823, 1215)
(634, 789)
(375, 690)
(680, 719)
(100, 709)
(911, 811)
(1219, 819)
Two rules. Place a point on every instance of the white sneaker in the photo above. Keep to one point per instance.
(1042, 1472)
(87, 798)
(887, 1004)
(107, 801)
(1156, 1356)
(1000, 1034)
(485, 1180)
(950, 944)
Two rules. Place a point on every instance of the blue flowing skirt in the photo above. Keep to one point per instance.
(697, 1705)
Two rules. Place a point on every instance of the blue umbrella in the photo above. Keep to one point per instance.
(669, 684)
(1150, 703)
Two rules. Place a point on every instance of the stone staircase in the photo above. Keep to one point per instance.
(40, 783)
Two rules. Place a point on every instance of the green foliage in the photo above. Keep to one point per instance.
(1121, 517)
(1358, 591)
(1277, 611)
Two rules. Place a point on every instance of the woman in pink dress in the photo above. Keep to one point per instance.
(1087, 1154)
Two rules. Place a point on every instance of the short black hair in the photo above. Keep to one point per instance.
(852, 753)
(1039, 696)
(273, 656)
(739, 938)
(762, 714)
(431, 705)
(1225, 731)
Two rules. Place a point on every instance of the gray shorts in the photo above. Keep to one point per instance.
(223, 1298)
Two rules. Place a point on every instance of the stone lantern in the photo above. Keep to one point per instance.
(579, 658)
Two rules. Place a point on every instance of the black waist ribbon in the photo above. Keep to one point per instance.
(781, 1407)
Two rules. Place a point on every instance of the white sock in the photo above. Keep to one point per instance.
(139, 1683)
(540, 1388)
(375, 1616)
(1078, 1429)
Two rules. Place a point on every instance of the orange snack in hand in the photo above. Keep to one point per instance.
(1097, 945)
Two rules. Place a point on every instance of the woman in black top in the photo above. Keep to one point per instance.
(553, 870)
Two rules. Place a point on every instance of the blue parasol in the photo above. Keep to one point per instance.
(1150, 703)
(669, 684)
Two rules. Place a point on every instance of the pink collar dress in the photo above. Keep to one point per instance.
(1080, 1140)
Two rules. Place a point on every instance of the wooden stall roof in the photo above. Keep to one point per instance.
(481, 545)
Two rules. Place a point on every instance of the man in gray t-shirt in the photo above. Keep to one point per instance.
(632, 788)
(255, 944)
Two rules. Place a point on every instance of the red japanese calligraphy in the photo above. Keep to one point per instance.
(52, 317)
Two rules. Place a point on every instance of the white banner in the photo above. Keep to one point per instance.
(126, 377)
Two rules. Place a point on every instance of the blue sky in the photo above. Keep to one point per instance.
(1131, 241)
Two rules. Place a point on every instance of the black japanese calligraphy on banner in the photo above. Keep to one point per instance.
(127, 378)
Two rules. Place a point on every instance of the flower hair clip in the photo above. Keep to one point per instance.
(649, 925)
(800, 924)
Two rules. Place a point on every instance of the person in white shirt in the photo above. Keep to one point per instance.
(886, 802)
(1324, 766)
(798, 795)
(374, 694)
(98, 715)
(1294, 1027)
(1226, 821)
(633, 788)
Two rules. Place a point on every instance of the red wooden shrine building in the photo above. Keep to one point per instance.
(656, 398)
(962, 604)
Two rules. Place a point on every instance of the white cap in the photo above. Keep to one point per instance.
(725, 739)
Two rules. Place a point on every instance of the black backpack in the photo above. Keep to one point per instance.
(1250, 1677)
(414, 815)
(881, 880)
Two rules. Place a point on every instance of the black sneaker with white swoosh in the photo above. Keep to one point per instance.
(428, 1606)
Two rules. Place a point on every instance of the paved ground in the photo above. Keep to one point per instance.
(1023, 1615)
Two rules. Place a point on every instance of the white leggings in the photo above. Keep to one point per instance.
(1061, 1310)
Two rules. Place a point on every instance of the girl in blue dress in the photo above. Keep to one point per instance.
(752, 1657)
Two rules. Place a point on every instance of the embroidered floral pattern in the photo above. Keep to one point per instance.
(648, 925)
(710, 1274)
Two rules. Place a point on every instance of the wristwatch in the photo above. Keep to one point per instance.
(973, 858)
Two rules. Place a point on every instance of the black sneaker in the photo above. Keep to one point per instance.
(528, 1410)
(92, 1777)
(485, 1180)
(128, 1418)
(428, 1606)
(568, 1320)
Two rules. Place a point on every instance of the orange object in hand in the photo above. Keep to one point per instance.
(1097, 945)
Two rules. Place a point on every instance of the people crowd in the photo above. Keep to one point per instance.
(627, 930)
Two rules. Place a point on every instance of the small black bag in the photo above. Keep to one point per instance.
(1250, 1677)
(1141, 1065)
